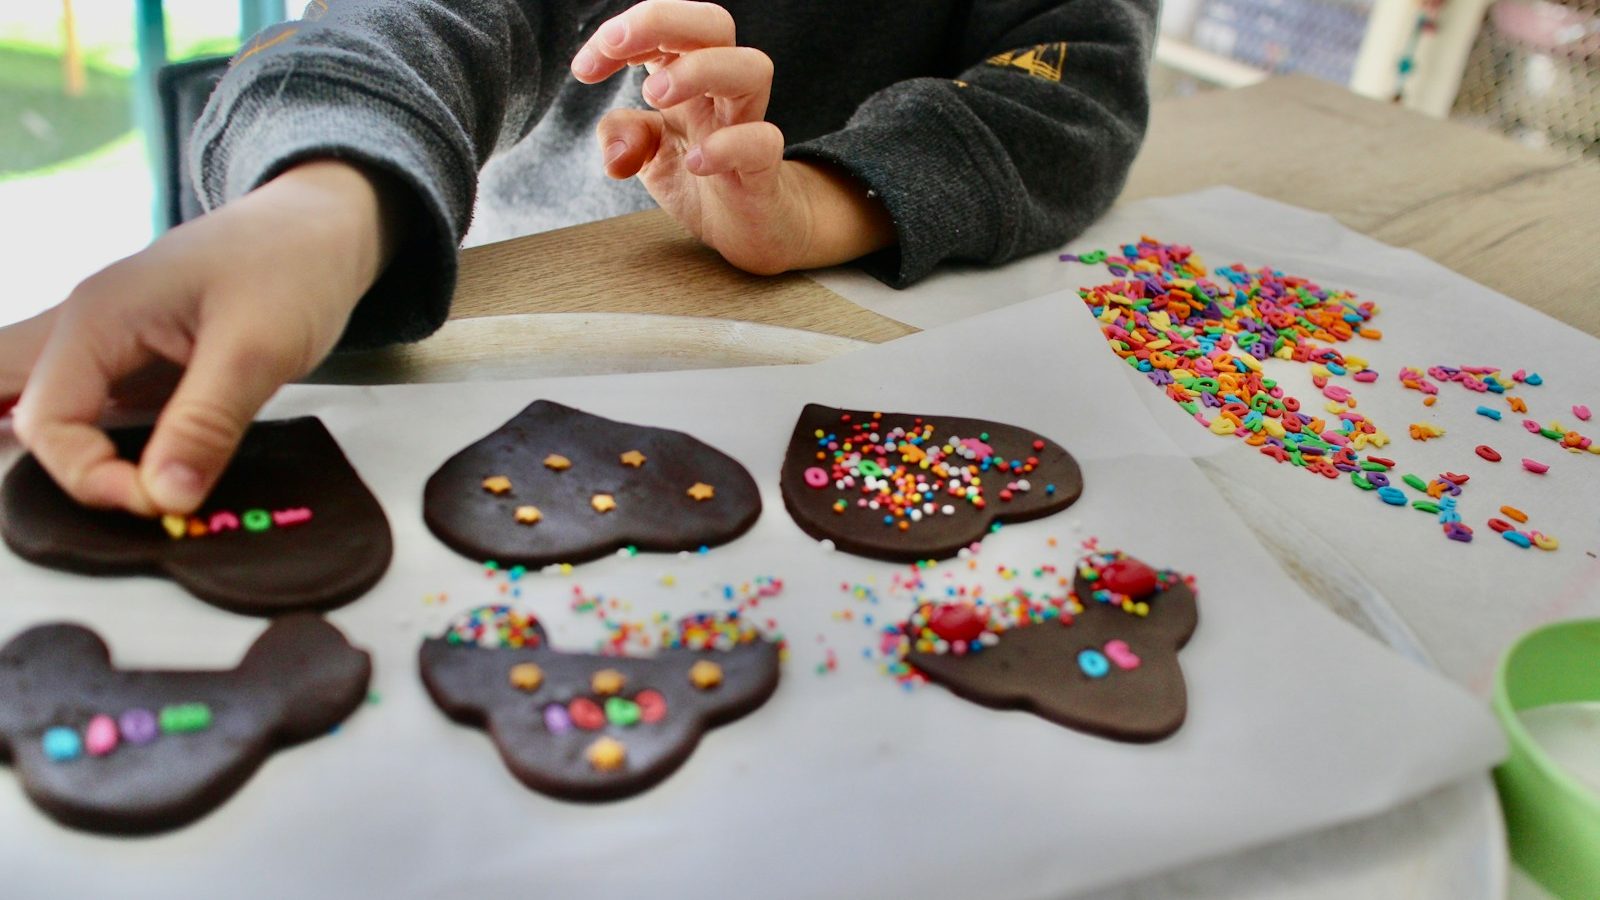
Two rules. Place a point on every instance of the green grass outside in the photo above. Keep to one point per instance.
(41, 126)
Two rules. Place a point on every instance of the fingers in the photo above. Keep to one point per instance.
(629, 139)
(62, 402)
(231, 375)
(750, 148)
(649, 30)
(740, 78)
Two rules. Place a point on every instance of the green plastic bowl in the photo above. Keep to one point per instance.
(1553, 819)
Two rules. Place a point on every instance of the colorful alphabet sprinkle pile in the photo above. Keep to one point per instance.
(1202, 338)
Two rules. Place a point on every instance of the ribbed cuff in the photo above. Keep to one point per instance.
(938, 172)
(281, 118)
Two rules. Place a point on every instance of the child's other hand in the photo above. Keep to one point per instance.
(707, 155)
(214, 317)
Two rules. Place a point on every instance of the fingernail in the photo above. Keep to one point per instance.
(584, 63)
(614, 150)
(693, 160)
(177, 486)
(614, 33)
(657, 86)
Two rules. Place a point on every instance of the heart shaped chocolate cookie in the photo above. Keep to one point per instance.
(908, 487)
(290, 526)
(1102, 659)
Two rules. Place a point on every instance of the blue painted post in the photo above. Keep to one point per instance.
(255, 15)
(150, 31)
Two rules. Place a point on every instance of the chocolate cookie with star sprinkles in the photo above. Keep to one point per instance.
(591, 727)
(559, 485)
(906, 488)
(1102, 658)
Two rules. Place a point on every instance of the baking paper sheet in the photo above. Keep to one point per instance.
(1465, 603)
(843, 784)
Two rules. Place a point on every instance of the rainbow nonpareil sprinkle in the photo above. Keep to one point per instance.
(494, 626)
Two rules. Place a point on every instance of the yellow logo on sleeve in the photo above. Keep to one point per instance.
(1043, 61)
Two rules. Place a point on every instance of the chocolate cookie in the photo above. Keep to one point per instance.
(907, 488)
(589, 727)
(558, 485)
(103, 749)
(1103, 659)
(289, 527)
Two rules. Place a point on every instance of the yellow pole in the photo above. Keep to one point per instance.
(72, 59)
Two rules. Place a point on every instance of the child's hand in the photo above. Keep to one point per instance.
(218, 314)
(709, 158)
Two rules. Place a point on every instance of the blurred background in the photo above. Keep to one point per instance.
(86, 171)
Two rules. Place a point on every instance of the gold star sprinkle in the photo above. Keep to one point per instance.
(607, 682)
(603, 503)
(526, 677)
(497, 484)
(607, 754)
(705, 674)
(529, 515)
(702, 491)
(633, 458)
(176, 526)
(557, 463)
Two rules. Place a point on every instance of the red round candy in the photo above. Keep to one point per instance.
(586, 714)
(1130, 577)
(958, 622)
(652, 706)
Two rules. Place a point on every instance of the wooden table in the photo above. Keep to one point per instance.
(1518, 220)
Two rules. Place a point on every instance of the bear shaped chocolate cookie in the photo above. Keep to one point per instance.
(558, 485)
(290, 526)
(907, 488)
(104, 749)
(1102, 659)
(591, 727)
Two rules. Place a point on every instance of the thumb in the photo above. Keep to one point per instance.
(231, 375)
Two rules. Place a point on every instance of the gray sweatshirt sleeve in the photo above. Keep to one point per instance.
(438, 88)
(1019, 152)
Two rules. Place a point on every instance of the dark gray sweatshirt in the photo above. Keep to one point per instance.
(989, 128)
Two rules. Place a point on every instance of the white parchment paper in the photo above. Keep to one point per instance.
(1466, 603)
(842, 785)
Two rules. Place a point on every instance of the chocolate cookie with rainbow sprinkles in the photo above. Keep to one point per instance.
(907, 488)
(104, 749)
(1101, 658)
(290, 526)
(589, 727)
(559, 485)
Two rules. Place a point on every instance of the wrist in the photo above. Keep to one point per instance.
(364, 214)
(847, 220)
